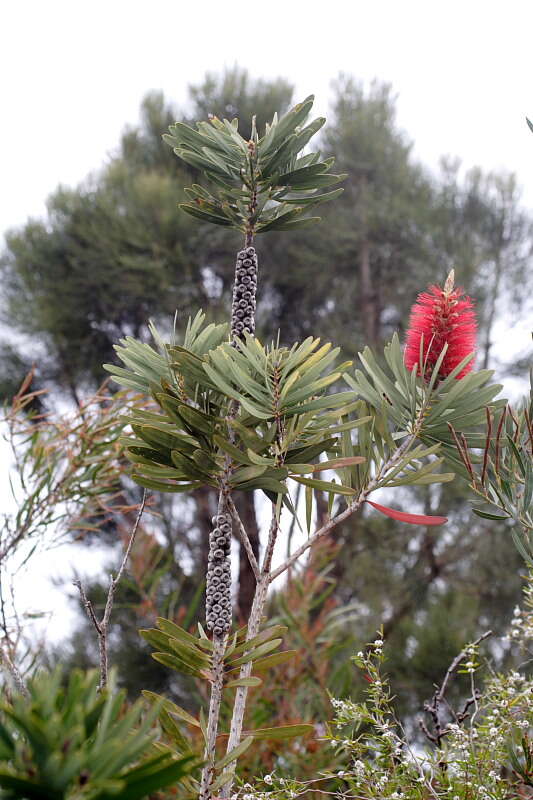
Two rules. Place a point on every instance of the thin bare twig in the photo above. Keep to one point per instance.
(102, 625)
(14, 672)
(433, 708)
(243, 536)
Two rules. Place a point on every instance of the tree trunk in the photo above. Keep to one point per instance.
(368, 305)
(246, 508)
(206, 506)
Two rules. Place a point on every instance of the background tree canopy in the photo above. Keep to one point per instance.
(115, 251)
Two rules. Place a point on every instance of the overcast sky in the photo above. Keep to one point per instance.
(74, 73)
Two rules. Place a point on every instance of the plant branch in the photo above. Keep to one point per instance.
(433, 707)
(14, 672)
(243, 536)
(350, 509)
(217, 685)
(254, 623)
(102, 625)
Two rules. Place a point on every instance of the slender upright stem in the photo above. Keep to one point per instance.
(254, 623)
(217, 685)
(242, 320)
(243, 536)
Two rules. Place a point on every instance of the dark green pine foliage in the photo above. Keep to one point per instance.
(70, 741)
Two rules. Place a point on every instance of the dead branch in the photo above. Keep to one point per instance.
(433, 707)
(101, 626)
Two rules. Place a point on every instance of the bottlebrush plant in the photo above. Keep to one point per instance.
(233, 413)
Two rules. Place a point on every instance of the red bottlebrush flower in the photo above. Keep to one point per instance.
(441, 316)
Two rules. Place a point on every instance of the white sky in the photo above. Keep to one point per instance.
(73, 74)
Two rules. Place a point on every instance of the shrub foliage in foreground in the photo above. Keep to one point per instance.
(59, 742)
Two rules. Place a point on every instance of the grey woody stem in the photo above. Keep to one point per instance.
(101, 626)
(243, 536)
(242, 321)
(217, 686)
(254, 623)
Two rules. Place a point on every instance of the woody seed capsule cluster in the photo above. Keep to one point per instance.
(243, 308)
(218, 591)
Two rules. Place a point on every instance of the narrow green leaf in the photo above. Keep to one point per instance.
(282, 732)
(325, 486)
(234, 754)
(171, 707)
(489, 515)
(252, 681)
(274, 660)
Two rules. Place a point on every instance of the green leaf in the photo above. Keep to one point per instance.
(234, 754)
(222, 780)
(252, 681)
(163, 486)
(257, 652)
(273, 632)
(489, 515)
(338, 463)
(282, 732)
(292, 225)
(176, 632)
(325, 486)
(239, 456)
(171, 707)
(265, 483)
(246, 474)
(274, 660)
(229, 391)
(140, 787)
(175, 663)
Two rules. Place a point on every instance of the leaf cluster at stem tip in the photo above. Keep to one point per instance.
(264, 184)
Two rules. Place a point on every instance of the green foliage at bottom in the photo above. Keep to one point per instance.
(78, 743)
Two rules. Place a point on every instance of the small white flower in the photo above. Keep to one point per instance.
(268, 779)
(341, 773)
(359, 768)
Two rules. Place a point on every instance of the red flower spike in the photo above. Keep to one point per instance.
(441, 316)
(412, 519)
